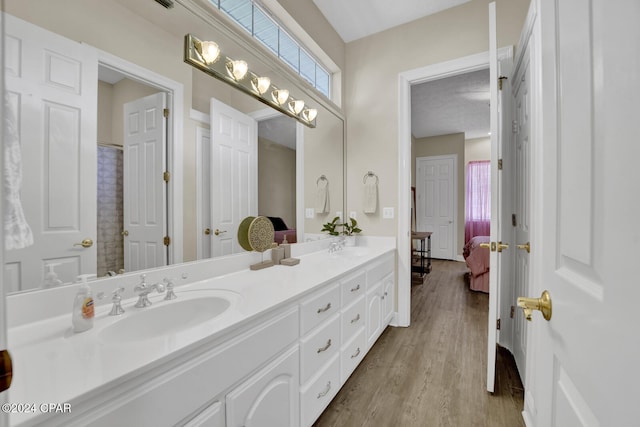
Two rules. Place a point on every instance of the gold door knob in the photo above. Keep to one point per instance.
(526, 247)
(207, 231)
(502, 246)
(125, 233)
(86, 243)
(491, 246)
(219, 232)
(542, 304)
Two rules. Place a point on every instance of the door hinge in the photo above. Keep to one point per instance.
(512, 312)
(499, 164)
(165, 113)
(514, 126)
(166, 176)
(167, 240)
(498, 324)
(514, 220)
(500, 79)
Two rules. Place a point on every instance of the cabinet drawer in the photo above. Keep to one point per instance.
(352, 318)
(319, 307)
(352, 288)
(318, 394)
(352, 354)
(317, 348)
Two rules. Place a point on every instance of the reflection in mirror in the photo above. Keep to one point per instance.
(80, 182)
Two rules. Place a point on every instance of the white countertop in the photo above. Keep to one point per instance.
(54, 365)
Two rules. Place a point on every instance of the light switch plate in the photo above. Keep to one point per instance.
(387, 213)
(339, 215)
(309, 213)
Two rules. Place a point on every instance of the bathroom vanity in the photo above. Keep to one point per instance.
(236, 348)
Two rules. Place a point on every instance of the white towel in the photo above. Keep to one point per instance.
(17, 233)
(370, 196)
(322, 198)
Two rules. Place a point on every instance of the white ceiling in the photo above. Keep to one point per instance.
(354, 19)
(281, 130)
(455, 104)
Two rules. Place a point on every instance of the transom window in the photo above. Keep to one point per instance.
(255, 20)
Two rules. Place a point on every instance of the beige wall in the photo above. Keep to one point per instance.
(477, 149)
(277, 181)
(441, 146)
(371, 95)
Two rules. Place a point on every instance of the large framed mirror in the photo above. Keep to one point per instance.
(103, 193)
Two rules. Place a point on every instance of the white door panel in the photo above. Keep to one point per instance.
(234, 175)
(521, 128)
(203, 185)
(436, 184)
(582, 364)
(144, 186)
(55, 86)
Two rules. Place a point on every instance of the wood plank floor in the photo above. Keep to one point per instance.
(432, 373)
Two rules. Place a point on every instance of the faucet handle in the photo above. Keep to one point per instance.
(116, 298)
(169, 281)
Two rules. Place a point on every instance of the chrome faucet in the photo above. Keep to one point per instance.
(143, 290)
(117, 309)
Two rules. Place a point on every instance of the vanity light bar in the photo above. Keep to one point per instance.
(206, 56)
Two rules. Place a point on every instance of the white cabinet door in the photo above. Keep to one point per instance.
(388, 290)
(211, 416)
(374, 314)
(268, 398)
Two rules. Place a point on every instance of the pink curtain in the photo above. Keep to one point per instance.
(478, 200)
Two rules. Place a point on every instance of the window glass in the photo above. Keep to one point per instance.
(265, 30)
(289, 51)
(322, 81)
(263, 27)
(307, 67)
(240, 10)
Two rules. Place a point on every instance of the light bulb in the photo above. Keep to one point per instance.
(261, 84)
(309, 114)
(296, 106)
(238, 69)
(280, 96)
(210, 52)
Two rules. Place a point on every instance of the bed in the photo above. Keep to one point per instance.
(477, 260)
(281, 230)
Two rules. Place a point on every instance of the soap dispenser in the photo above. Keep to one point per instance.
(51, 278)
(83, 309)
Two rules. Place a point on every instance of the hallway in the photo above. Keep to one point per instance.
(432, 373)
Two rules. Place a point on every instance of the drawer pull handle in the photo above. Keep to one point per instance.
(326, 347)
(325, 308)
(357, 288)
(356, 354)
(355, 319)
(326, 391)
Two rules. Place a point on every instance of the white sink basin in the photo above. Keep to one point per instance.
(166, 317)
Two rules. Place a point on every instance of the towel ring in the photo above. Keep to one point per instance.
(370, 175)
(322, 178)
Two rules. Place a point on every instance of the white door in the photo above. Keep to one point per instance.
(234, 175)
(522, 205)
(436, 184)
(582, 365)
(145, 143)
(203, 187)
(53, 82)
(496, 200)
